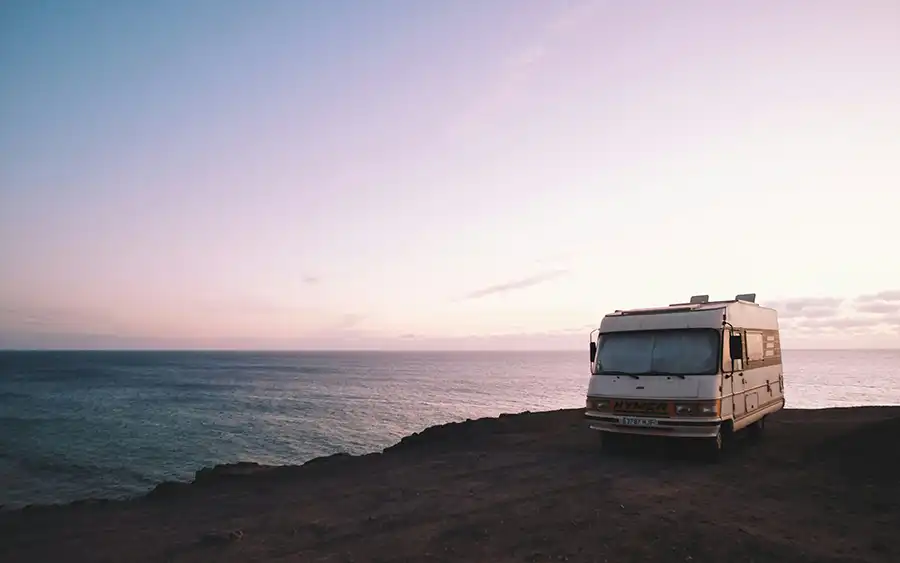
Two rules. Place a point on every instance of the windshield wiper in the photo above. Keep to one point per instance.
(678, 375)
(605, 372)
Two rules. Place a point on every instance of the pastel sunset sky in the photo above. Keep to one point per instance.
(442, 174)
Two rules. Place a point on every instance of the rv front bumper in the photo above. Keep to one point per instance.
(653, 426)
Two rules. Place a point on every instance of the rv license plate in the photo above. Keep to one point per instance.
(633, 421)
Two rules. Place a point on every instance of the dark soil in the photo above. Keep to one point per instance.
(820, 486)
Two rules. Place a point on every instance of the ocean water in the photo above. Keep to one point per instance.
(113, 424)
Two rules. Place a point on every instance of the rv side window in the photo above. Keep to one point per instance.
(753, 344)
(772, 348)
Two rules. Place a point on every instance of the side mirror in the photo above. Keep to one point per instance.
(593, 351)
(736, 346)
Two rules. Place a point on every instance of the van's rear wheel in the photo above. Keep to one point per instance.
(757, 429)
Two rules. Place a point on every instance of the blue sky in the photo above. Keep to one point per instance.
(441, 174)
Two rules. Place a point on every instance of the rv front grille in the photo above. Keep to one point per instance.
(654, 408)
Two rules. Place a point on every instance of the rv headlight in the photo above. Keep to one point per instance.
(705, 408)
(708, 408)
(597, 404)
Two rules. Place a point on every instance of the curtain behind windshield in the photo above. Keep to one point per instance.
(681, 352)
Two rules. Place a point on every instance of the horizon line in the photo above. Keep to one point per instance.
(381, 350)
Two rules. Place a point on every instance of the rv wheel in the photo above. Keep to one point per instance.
(758, 428)
(715, 446)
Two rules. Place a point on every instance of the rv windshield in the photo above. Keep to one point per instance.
(658, 352)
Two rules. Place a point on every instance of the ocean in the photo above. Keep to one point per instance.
(79, 425)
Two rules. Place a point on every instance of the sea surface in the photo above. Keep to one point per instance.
(77, 425)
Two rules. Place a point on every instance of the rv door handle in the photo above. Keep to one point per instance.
(727, 376)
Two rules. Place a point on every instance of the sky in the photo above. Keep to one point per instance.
(423, 174)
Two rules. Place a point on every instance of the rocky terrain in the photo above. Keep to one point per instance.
(820, 486)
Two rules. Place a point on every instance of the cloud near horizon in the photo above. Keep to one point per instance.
(890, 295)
(874, 315)
(869, 320)
(520, 283)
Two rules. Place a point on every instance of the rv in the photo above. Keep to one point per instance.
(702, 370)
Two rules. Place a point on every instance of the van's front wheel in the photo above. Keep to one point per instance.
(714, 447)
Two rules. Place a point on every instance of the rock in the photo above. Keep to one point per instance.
(89, 502)
(328, 458)
(218, 537)
(167, 489)
(220, 472)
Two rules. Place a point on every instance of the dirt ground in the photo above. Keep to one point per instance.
(821, 486)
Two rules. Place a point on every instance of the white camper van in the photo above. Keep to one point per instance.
(703, 369)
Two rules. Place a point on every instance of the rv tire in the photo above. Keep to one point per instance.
(714, 447)
(757, 429)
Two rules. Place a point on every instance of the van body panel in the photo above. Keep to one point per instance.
(687, 319)
(654, 387)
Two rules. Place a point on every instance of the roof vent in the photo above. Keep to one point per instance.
(751, 297)
(699, 299)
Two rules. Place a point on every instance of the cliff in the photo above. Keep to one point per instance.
(821, 486)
